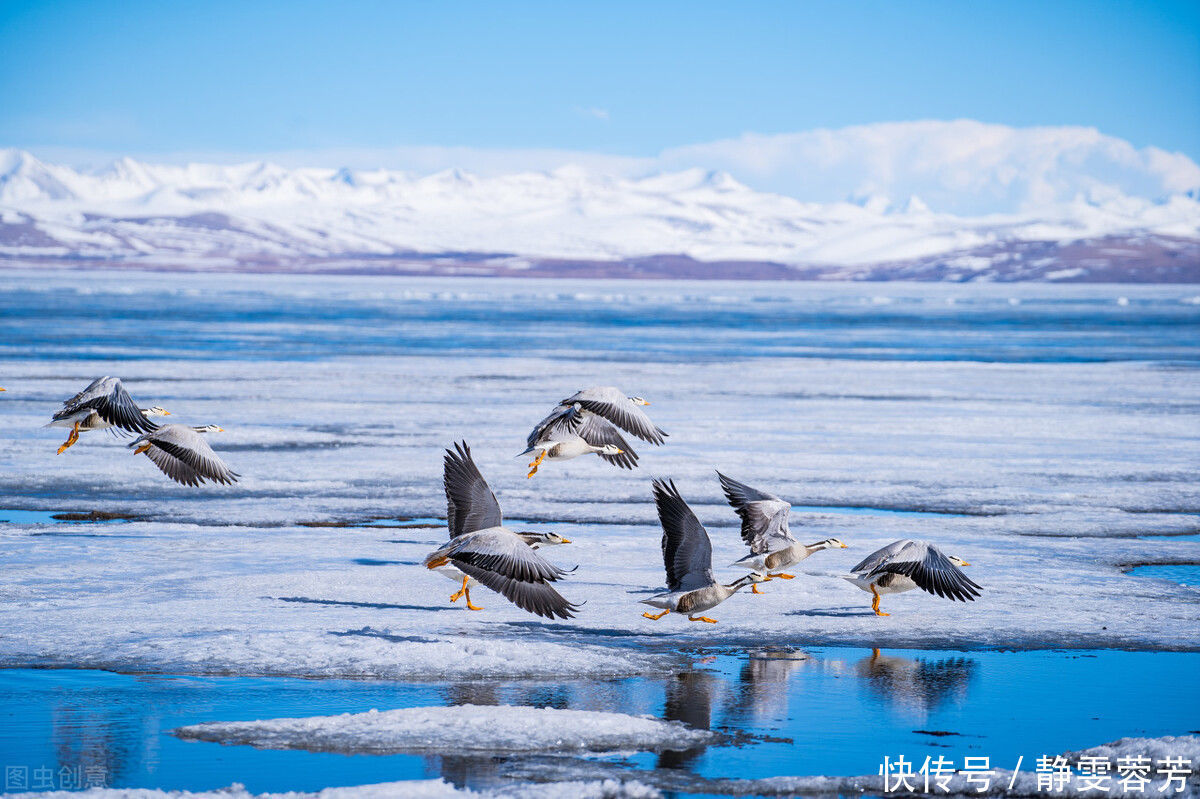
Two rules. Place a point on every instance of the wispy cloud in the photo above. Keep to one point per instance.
(592, 112)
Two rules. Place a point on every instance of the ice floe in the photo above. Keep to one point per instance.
(461, 728)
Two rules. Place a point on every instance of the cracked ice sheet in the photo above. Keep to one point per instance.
(1043, 476)
(411, 789)
(462, 729)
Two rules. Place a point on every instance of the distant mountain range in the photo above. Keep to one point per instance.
(566, 222)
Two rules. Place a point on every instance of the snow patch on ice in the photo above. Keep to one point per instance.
(462, 728)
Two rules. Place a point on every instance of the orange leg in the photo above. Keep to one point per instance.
(467, 594)
(536, 463)
(71, 439)
(459, 593)
(754, 589)
(875, 603)
(656, 618)
(702, 618)
(784, 576)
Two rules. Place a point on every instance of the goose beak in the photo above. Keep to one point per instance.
(142, 448)
(220, 429)
(566, 540)
(620, 451)
(965, 563)
(647, 402)
(165, 412)
(845, 547)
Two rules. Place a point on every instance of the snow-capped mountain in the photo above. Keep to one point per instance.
(261, 214)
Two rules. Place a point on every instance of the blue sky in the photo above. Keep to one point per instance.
(621, 78)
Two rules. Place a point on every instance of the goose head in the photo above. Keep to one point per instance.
(957, 561)
(828, 543)
(543, 539)
(209, 428)
(749, 579)
(638, 401)
(611, 449)
(157, 410)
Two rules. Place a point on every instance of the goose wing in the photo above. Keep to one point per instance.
(598, 432)
(470, 503)
(931, 570)
(687, 550)
(562, 420)
(503, 562)
(764, 516)
(108, 398)
(611, 403)
(183, 455)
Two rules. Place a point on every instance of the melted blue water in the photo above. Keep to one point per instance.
(223, 316)
(1183, 573)
(840, 711)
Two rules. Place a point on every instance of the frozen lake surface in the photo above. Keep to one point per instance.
(1046, 434)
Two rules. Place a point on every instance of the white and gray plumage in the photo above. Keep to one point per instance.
(483, 549)
(610, 402)
(765, 531)
(687, 558)
(904, 565)
(103, 405)
(591, 417)
(569, 432)
(183, 455)
(470, 506)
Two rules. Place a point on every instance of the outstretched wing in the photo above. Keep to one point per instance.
(108, 398)
(880, 556)
(470, 503)
(687, 550)
(613, 405)
(598, 432)
(183, 455)
(932, 572)
(764, 516)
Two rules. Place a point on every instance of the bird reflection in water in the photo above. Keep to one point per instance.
(690, 698)
(918, 686)
(762, 682)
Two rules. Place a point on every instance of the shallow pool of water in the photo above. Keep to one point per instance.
(1182, 573)
(783, 712)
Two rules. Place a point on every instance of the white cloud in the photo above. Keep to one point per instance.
(963, 166)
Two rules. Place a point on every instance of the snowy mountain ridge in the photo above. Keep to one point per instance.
(206, 214)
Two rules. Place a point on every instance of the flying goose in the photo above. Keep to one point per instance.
(592, 415)
(480, 547)
(102, 405)
(904, 565)
(765, 530)
(183, 455)
(467, 499)
(568, 433)
(687, 557)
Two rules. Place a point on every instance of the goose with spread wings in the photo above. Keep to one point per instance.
(105, 404)
(904, 565)
(588, 421)
(183, 455)
(765, 531)
(481, 548)
(687, 557)
(568, 433)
